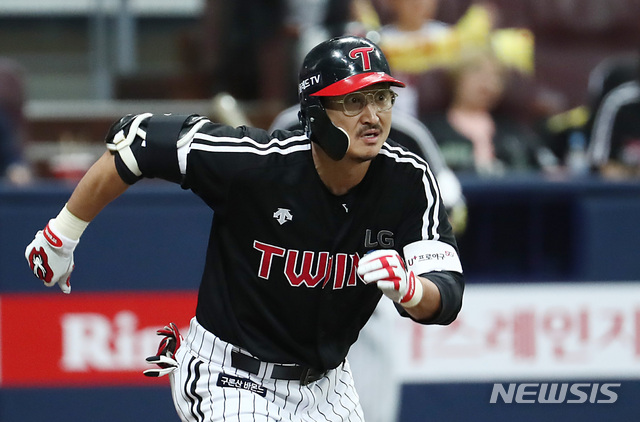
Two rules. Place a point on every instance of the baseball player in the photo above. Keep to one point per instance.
(310, 229)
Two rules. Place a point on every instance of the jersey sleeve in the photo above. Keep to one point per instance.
(190, 150)
(221, 158)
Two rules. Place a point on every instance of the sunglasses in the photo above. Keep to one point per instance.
(355, 102)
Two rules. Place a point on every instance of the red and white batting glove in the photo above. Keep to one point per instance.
(50, 257)
(165, 357)
(386, 268)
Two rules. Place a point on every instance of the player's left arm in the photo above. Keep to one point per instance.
(428, 287)
(424, 277)
(418, 295)
(429, 303)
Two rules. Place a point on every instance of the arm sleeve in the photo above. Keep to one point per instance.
(451, 286)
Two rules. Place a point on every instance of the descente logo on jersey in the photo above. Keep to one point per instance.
(305, 268)
(282, 215)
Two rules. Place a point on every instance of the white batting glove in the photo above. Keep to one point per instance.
(50, 256)
(386, 268)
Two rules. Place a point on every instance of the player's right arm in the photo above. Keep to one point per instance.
(139, 146)
(50, 254)
(97, 188)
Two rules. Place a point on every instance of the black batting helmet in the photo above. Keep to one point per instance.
(337, 67)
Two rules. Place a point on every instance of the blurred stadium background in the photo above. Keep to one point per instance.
(552, 265)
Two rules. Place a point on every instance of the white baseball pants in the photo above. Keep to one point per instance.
(206, 387)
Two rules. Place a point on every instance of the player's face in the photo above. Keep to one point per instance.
(365, 116)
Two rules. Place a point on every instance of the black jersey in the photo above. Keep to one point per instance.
(280, 274)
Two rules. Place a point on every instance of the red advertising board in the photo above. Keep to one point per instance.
(85, 339)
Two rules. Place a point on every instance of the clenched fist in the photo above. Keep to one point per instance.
(386, 268)
(50, 257)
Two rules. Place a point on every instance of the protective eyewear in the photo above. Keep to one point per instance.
(355, 102)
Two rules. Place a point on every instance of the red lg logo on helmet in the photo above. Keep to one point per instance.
(363, 52)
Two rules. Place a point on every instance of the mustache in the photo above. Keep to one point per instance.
(368, 127)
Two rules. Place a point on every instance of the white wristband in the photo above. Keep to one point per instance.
(69, 225)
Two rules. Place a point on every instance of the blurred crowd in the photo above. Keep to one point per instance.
(13, 165)
(503, 86)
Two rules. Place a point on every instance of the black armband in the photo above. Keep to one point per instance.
(146, 145)
(159, 157)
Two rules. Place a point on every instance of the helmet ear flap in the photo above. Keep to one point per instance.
(304, 122)
(333, 140)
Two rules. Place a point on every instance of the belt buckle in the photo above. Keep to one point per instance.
(309, 375)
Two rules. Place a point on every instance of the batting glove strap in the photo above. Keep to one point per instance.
(61, 243)
(414, 292)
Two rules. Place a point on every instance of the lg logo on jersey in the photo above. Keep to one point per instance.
(384, 239)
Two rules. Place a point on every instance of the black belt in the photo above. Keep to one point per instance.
(280, 372)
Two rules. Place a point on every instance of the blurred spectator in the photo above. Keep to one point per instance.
(13, 167)
(415, 43)
(252, 49)
(473, 136)
(313, 21)
(239, 47)
(420, 47)
(614, 147)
